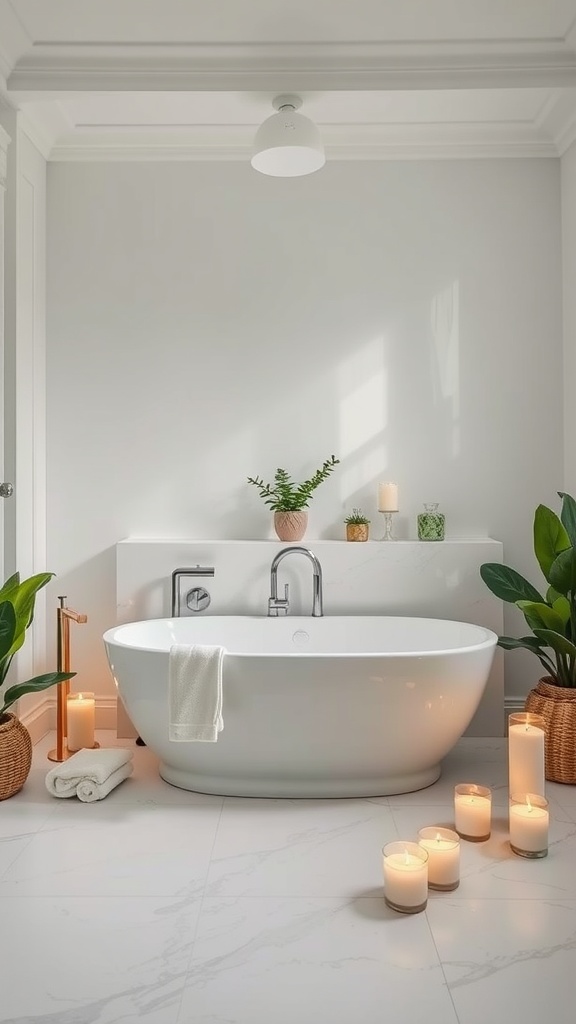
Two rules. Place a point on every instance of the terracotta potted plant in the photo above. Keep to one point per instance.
(551, 618)
(357, 526)
(289, 500)
(17, 601)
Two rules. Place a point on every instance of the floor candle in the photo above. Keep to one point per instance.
(526, 734)
(529, 824)
(472, 811)
(443, 848)
(80, 718)
(405, 868)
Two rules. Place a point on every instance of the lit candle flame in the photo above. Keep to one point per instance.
(529, 804)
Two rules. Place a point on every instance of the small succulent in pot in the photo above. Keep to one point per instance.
(357, 518)
(357, 525)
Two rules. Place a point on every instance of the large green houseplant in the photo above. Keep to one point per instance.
(17, 600)
(289, 500)
(551, 617)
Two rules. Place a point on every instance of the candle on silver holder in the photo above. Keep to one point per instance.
(388, 505)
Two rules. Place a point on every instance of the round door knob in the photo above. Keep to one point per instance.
(6, 490)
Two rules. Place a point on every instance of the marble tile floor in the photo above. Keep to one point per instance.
(169, 907)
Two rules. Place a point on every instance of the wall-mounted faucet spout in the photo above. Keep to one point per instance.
(280, 605)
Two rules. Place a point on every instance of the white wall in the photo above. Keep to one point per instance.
(568, 179)
(206, 323)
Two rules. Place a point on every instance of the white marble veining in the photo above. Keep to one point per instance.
(170, 907)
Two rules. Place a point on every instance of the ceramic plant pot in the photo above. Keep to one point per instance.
(557, 705)
(15, 755)
(357, 531)
(290, 525)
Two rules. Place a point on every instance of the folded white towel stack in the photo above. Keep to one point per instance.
(195, 693)
(90, 774)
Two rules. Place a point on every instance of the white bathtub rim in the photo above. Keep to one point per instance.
(490, 639)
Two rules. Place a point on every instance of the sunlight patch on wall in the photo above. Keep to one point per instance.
(363, 387)
(445, 318)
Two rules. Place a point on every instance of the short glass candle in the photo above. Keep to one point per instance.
(405, 867)
(443, 848)
(472, 811)
(529, 819)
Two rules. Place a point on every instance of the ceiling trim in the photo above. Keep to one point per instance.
(557, 120)
(345, 142)
(56, 67)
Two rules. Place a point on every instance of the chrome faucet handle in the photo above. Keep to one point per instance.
(279, 605)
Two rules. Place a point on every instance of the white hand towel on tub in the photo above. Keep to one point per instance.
(195, 693)
(90, 774)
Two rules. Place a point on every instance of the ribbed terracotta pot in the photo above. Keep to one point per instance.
(557, 705)
(290, 525)
(15, 755)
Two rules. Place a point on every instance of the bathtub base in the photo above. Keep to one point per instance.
(299, 788)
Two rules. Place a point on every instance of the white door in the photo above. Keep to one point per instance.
(6, 488)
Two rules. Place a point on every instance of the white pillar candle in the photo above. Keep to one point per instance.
(80, 720)
(526, 733)
(472, 811)
(388, 497)
(443, 848)
(405, 868)
(529, 821)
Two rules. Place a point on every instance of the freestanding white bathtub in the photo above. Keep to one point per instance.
(336, 706)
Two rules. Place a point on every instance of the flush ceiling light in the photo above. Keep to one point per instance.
(288, 144)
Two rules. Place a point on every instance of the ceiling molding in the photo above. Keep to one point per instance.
(344, 142)
(279, 67)
(15, 41)
(566, 136)
(557, 120)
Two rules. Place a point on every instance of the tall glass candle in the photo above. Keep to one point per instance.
(388, 497)
(529, 824)
(526, 736)
(443, 847)
(405, 867)
(80, 717)
(472, 811)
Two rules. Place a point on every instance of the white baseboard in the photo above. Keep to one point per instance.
(514, 704)
(42, 719)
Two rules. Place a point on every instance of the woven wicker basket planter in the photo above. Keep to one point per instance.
(557, 705)
(15, 755)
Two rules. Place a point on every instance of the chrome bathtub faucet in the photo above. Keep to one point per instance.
(281, 605)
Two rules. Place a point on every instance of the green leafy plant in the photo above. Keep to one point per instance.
(552, 616)
(284, 495)
(17, 600)
(357, 518)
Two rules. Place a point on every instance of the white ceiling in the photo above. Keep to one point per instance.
(192, 79)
